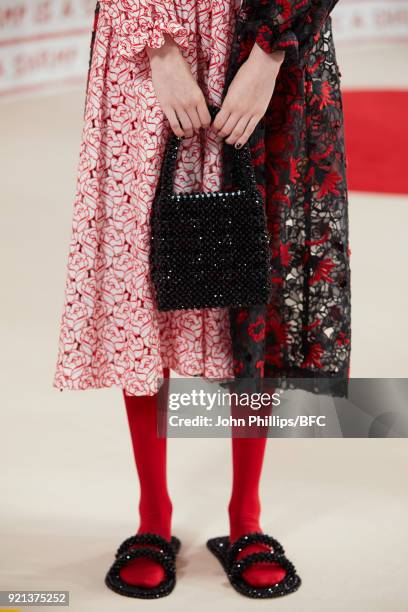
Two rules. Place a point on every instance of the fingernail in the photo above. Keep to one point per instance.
(238, 145)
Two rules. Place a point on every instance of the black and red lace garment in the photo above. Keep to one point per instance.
(298, 152)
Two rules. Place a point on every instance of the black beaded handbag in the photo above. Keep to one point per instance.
(209, 249)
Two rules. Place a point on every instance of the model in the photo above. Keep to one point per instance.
(270, 67)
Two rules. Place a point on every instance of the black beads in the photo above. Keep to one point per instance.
(227, 556)
(254, 537)
(164, 554)
(209, 249)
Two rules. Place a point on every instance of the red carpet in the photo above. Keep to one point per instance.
(376, 130)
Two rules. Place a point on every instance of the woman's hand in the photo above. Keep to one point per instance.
(179, 96)
(248, 96)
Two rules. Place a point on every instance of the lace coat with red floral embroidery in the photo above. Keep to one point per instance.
(299, 157)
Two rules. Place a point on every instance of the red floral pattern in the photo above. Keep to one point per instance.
(299, 158)
(111, 332)
(141, 23)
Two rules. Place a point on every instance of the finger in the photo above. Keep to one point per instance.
(185, 122)
(174, 122)
(238, 130)
(247, 133)
(194, 118)
(220, 119)
(204, 114)
(229, 126)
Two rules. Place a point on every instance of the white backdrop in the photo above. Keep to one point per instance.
(45, 43)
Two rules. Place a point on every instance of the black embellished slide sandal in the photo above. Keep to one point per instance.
(164, 554)
(227, 556)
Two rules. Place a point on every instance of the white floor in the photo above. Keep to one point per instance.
(68, 488)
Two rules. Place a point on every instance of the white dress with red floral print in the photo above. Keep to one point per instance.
(111, 331)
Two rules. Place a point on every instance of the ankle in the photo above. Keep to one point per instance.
(243, 528)
(241, 522)
(158, 521)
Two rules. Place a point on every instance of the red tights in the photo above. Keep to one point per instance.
(155, 507)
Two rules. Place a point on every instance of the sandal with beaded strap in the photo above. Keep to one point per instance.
(227, 556)
(164, 554)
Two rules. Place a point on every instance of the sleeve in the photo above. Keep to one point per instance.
(143, 23)
(286, 25)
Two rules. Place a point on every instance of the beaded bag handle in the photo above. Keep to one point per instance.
(242, 169)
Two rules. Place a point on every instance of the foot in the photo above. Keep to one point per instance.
(261, 574)
(144, 572)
